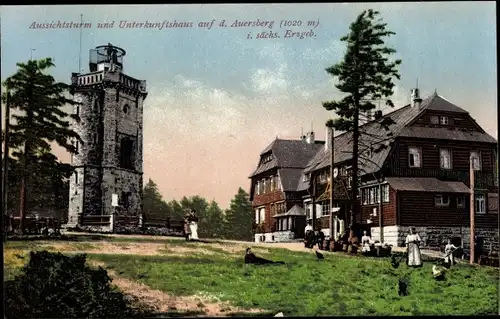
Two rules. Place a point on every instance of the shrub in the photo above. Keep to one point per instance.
(55, 286)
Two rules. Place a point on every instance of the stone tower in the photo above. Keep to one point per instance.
(106, 186)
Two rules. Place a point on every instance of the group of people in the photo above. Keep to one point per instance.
(191, 225)
(345, 238)
(414, 256)
(412, 242)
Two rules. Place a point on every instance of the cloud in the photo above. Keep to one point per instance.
(333, 52)
(272, 80)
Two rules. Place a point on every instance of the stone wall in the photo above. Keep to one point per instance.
(275, 237)
(434, 237)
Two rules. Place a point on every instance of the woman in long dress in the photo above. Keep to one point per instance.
(193, 225)
(365, 241)
(187, 228)
(414, 258)
(448, 253)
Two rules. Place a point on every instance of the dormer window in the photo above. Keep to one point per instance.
(443, 120)
(306, 177)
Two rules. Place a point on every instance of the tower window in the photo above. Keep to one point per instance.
(126, 199)
(126, 153)
(125, 108)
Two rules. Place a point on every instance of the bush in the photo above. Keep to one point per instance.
(55, 286)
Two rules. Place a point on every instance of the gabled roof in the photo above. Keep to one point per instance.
(438, 103)
(402, 118)
(288, 154)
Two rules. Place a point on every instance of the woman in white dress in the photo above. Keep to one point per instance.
(193, 225)
(365, 241)
(448, 253)
(414, 258)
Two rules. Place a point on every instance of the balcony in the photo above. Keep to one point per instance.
(87, 79)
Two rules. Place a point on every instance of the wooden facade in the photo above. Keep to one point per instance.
(423, 173)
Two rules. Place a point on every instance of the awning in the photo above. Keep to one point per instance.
(426, 184)
(296, 210)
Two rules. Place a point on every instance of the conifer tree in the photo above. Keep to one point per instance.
(364, 76)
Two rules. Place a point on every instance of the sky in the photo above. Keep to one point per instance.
(217, 99)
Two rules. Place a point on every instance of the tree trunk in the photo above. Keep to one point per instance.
(25, 175)
(354, 172)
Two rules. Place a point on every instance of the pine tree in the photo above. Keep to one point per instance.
(212, 224)
(154, 207)
(239, 217)
(365, 75)
(40, 119)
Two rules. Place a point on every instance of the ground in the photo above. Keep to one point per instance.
(210, 279)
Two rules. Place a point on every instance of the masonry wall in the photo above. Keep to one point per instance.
(433, 237)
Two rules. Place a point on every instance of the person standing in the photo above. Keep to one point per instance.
(193, 225)
(448, 253)
(307, 237)
(187, 229)
(365, 242)
(414, 257)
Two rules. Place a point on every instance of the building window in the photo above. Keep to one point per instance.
(127, 153)
(349, 182)
(280, 208)
(414, 157)
(76, 177)
(77, 110)
(385, 193)
(325, 208)
(480, 204)
(126, 199)
(322, 178)
(268, 184)
(372, 195)
(365, 196)
(257, 187)
(445, 158)
(441, 201)
(257, 215)
(443, 120)
(476, 161)
(434, 119)
(460, 202)
(264, 188)
(77, 146)
(278, 183)
(308, 210)
(273, 184)
(262, 215)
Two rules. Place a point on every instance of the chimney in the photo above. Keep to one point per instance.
(310, 138)
(415, 98)
(328, 138)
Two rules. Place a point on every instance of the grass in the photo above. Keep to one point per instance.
(306, 287)
(338, 285)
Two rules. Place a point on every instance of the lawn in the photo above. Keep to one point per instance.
(339, 285)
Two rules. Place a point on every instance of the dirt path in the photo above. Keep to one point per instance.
(164, 303)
